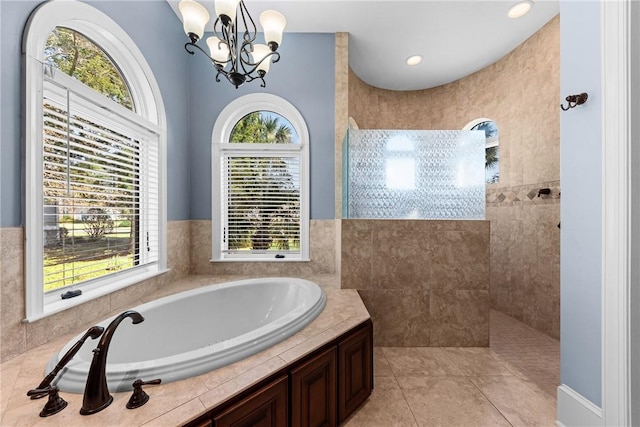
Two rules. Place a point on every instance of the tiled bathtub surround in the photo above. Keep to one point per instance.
(425, 283)
(12, 331)
(173, 403)
(322, 254)
(189, 252)
(17, 337)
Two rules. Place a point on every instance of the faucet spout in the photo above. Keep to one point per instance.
(96, 392)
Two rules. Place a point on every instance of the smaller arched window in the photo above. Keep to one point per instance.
(492, 149)
(260, 181)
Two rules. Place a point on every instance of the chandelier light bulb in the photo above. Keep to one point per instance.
(273, 24)
(194, 18)
(219, 50)
(226, 10)
(260, 51)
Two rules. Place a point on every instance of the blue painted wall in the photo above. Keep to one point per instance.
(13, 16)
(304, 76)
(192, 99)
(580, 175)
(154, 28)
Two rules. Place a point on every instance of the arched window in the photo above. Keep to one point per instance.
(260, 181)
(95, 159)
(492, 150)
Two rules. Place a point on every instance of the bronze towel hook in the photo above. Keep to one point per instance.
(574, 100)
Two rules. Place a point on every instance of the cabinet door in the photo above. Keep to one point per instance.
(313, 392)
(265, 408)
(355, 354)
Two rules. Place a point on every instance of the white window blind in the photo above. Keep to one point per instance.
(260, 181)
(261, 200)
(100, 188)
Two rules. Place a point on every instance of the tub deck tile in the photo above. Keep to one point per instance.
(177, 402)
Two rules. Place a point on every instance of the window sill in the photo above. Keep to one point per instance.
(261, 260)
(56, 306)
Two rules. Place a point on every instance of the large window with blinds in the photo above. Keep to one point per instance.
(260, 182)
(100, 187)
(95, 136)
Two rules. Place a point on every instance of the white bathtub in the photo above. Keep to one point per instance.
(196, 331)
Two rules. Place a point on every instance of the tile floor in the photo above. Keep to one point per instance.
(511, 383)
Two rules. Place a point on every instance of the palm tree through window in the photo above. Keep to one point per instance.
(263, 192)
(492, 150)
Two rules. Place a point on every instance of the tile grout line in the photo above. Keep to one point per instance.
(490, 401)
(404, 396)
(470, 378)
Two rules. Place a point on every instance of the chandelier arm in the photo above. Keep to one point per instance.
(189, 45)
(252, 78)
(192, 44)
(192, 52)
(249, 34)
(229, 36)
(254, 66)
(218, 31)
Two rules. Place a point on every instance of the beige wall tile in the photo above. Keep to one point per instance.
(400, 259)
(520, 93)
(13, 338)
(462, 260)
(322, 250)
(400, 316)
(459, 318)
(396, 265)
(17, 337)
(420, 362)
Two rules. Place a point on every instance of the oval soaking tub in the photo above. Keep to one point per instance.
(196, 331)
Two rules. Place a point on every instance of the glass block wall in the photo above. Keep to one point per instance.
(414, 174)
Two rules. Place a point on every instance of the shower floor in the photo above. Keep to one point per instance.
(513, 382)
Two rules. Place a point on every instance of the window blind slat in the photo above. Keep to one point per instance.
(105, 178)
(261, 202)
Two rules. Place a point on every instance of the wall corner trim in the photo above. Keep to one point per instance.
(576, 410)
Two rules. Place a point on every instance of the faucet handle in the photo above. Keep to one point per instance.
(139, 396)
(55, 403)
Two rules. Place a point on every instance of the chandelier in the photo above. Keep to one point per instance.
(238, 59)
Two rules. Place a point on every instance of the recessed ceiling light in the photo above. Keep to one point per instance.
(414, 60)
(520, 9)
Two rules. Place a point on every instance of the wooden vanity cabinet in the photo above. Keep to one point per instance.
(267, 407)
(314, 392)
(355, 379)
(319, 390)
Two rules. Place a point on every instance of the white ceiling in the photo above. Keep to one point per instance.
(456, 38)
